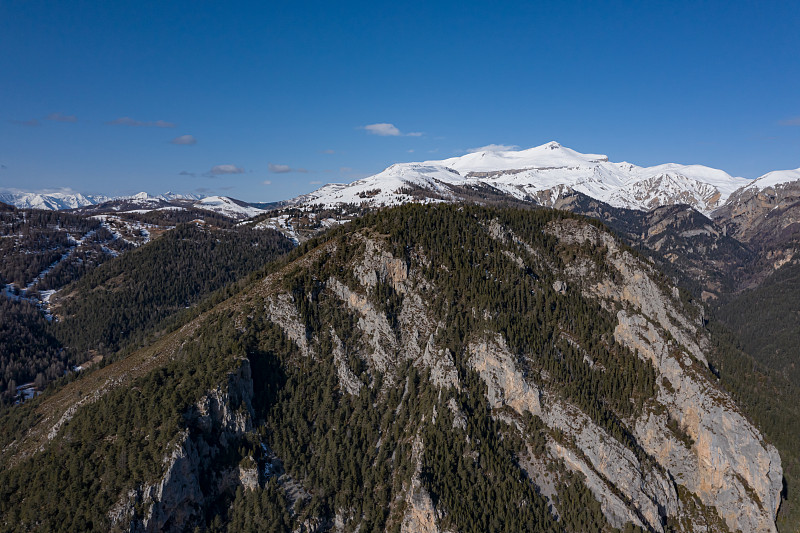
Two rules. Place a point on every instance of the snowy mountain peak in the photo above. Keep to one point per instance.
(541, 174)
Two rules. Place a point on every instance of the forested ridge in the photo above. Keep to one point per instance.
(325, 453)
(126, 298)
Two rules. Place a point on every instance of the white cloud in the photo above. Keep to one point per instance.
(266, 182)
(493, 148)
(61, 117)
(279, 169)
(383, 129)
(226, 169)
(411, 151)
(315, 182)
(128, 121)
(184, 139)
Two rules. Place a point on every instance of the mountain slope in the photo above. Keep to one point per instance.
(127, 297)
(422, 369)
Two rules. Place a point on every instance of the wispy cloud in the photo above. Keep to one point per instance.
(186, 173)
(61, 117)
(279, 169)
(284, 169)
(220, 170)
(32, 122)
(328, 152)
(266, 182)
(315, 182)
(790, 122)
(384, 129)
(128, 121)
(184, 140)
(493, 148)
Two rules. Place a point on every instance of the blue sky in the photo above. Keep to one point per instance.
(266, 100)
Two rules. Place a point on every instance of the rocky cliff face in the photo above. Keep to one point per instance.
(696, 460)
(191, 482)
(727, 465)
(759, 211)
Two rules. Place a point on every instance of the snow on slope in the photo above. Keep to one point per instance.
(228, 207)
(540, 174)
(776, 177)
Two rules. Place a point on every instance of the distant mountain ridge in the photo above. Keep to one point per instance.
(542, 175)
(140, 203)
(68, 200)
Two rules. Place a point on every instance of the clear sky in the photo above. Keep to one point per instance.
(266, 100)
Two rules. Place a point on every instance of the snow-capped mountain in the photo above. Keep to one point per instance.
(60, 200)
(166, 197)
(145, 203)
(50, 201)
(541, 174)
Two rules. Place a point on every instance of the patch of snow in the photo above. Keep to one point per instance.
(282, 224)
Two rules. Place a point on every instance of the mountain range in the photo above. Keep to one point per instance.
(542, 175)
(72, 200)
